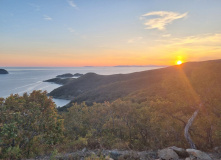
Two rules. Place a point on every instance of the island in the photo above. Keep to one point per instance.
(64, 78)
(60, 81)
(3, 71)
(69, 75)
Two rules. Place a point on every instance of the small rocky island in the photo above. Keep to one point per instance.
(3, 71)
(60, 81)
(69, 75)
(64, 78)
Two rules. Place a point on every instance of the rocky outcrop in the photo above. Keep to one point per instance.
(167, 154)
(102, 154)
(3, 71)
(217, 149)
(175, 153)
(198, 154)
(182, 153)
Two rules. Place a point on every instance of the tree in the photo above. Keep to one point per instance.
(29, 124)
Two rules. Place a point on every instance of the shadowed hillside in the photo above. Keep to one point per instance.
(162, 82)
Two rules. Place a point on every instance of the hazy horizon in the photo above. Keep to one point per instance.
(82, 66)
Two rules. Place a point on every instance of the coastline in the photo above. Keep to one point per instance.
(27, 79)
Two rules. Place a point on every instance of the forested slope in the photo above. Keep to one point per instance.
(154, 109)
(202, 77)
(144, 110)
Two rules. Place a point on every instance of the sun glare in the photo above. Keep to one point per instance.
(179, 62)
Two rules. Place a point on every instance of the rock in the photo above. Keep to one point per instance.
(84, 150)
(3, 71)
(108, 158)
(167, 154)
(128, 155)
(182, 153)
(148, 155)
(114, 154)
(217, 149)
(198, 154)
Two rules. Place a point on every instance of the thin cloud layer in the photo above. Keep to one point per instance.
(164, 18)
(205, 40)
(72, 4)
(47, 18)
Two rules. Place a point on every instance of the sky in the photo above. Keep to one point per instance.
(67, 33)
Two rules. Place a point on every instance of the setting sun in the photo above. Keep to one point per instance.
(179, 62)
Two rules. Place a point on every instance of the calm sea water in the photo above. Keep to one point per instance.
(26, 79)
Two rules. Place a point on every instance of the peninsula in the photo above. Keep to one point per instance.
(140, 86)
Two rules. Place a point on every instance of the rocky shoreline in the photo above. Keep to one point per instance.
(170, 153)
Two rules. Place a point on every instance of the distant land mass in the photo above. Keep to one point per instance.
(3, 71)
(203, 77)
(59, 80)
(66, 75)
(131, 66)
(64, 78)
(69, 75)
(141, 66)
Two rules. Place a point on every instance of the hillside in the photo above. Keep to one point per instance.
(99, 88)
(142, 111)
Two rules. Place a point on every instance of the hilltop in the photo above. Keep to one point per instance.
(92, 87)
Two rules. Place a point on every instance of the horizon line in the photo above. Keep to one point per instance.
(85, 66)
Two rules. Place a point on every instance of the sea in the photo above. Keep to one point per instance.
(22, 80)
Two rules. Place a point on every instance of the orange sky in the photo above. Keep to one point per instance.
(120, 32)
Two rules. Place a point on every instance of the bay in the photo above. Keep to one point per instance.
(26, 79)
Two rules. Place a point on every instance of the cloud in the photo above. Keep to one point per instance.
(164, 18)
(72, 4)
(166, 35)
(136, 39)
(71, 30)
(199, 40)
(202, 45)
(47, 18)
